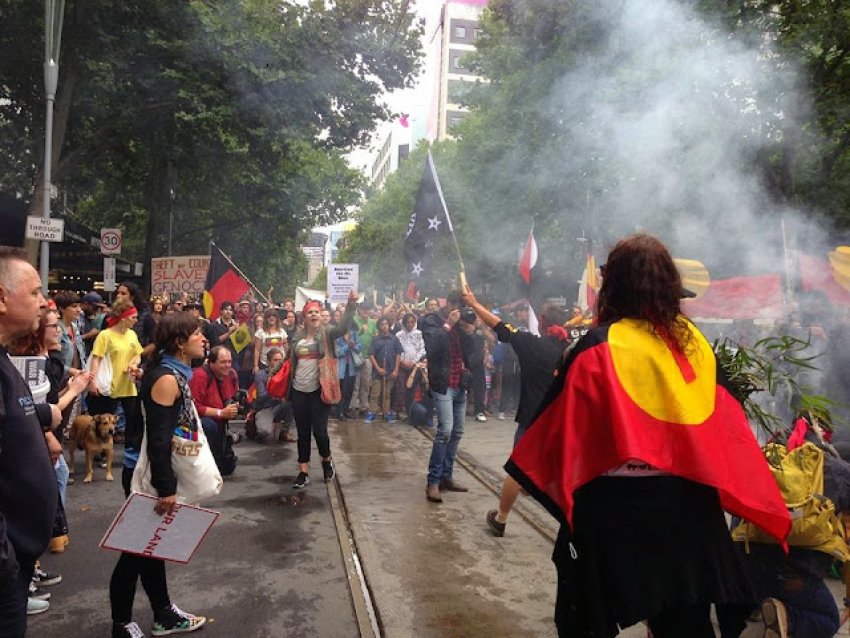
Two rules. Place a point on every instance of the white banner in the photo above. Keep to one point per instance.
(138, 529)
(179, 274)
(342, 279)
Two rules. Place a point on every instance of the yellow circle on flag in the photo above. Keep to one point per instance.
(656, 381)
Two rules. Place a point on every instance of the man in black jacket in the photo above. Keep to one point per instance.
(448, 349)
(538, 358)
(28, 488)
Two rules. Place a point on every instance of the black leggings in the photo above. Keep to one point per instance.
(129, 569)
(311, 416)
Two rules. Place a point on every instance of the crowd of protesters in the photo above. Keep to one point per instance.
(430, 363)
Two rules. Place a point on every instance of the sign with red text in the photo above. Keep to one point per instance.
(139, 530)
(179, 274)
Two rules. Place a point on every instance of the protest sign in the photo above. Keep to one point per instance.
(138, 529)
(179, 274)
(342, 279)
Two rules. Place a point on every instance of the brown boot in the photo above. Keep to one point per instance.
(58, 544)
(451, 486)
(432, 493)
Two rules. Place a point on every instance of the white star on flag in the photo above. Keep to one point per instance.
(434, 223)
(417, 269)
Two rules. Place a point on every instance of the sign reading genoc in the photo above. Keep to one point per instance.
(45, 229)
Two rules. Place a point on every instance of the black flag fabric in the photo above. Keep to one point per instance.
(429, 222)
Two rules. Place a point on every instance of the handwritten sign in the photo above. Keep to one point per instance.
(342, 279)
(179, 274)
(138, 529)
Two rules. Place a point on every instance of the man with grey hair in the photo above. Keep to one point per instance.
(28, 489)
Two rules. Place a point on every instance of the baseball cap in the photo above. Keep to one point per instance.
(93, 298)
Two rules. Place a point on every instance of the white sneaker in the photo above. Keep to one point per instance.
(480, 417)
(35, 606)
(501, 416)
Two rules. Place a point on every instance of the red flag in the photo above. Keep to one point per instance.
(816, 274)
(624, 394)
(755, 297)
(223, 283)
(529, 258)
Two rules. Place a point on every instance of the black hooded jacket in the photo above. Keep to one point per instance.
(437, 337)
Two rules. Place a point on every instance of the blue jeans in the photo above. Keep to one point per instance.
(451, 412)
(812, 611)
(61, 470)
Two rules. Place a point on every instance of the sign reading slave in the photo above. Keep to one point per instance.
(342, 279)
(179, 274)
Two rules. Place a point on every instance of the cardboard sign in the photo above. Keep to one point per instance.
(342, 279)
(179, 274)
(138, 529)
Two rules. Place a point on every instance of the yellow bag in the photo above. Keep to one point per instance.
(814, 523)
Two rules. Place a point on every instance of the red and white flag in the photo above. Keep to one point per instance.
(526, 266)
(529, 258)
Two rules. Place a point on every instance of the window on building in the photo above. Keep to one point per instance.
(477, 33)
(455, 120)
(460, 32)
(457, 62)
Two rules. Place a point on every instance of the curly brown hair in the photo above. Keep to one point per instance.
(641, 281)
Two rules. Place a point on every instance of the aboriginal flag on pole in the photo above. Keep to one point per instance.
(428, 223)
(623, 394)
(223, 283)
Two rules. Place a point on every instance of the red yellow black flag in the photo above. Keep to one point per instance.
(223, 283)
(624, 394)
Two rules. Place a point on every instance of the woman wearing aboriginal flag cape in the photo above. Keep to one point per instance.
(637, 450)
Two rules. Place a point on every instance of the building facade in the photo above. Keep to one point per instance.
(453, 39)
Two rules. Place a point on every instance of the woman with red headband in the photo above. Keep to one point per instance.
(121, 346)
(308, 346)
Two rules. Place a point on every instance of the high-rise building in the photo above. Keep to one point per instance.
(393, 149)
(453, 39)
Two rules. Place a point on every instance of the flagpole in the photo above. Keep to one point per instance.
(462, 275)
(239, 272)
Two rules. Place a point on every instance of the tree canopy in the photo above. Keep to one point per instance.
(704, 122)
(233, 119)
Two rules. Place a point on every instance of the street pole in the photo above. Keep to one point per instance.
(54, 11)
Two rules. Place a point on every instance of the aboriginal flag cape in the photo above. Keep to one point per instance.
(624, 394)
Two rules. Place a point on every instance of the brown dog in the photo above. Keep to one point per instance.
(94, 435)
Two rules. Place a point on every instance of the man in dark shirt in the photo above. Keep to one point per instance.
(538, 359)
(448, 349)
(28, 488)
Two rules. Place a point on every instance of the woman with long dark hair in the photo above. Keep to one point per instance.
(637, 450)
(168, 406)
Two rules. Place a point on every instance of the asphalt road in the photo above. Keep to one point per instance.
(271, 566)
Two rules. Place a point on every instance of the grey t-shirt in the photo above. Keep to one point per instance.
(307, 366)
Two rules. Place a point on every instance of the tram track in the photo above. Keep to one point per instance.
(368, 622)
(362, 598)
(494, 485)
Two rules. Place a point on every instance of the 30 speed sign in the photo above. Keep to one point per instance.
(110, 241)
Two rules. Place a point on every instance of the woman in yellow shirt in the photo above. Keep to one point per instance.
(121, 346)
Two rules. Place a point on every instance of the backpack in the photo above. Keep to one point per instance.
(814, 523)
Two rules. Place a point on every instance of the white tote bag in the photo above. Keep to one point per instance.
(103, 378)
(197, 474)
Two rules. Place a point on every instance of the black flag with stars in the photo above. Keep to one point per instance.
(429, 223)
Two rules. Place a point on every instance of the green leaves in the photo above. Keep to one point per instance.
(775, 366)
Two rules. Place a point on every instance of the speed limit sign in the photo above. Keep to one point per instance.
(110, 241)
